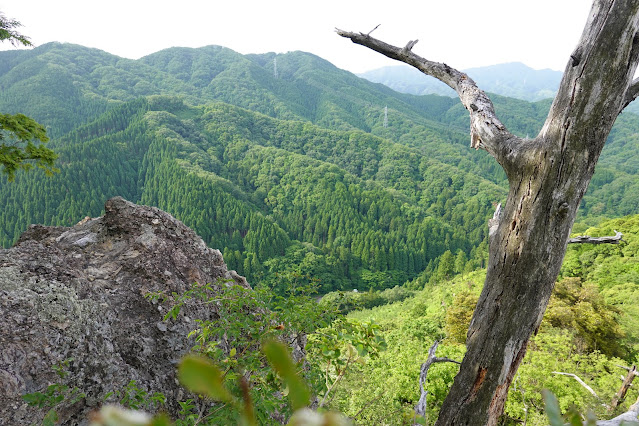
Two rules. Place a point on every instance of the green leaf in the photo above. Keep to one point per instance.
(34, 398)
(161, 420)
(51, 418)
(278, 356)
(552, 408)
(573, 417)
(201, 376)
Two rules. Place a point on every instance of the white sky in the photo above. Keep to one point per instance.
(462, 33)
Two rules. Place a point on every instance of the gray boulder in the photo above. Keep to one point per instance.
(79, 293)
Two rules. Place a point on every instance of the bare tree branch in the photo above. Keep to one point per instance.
(627, 382)
(632, 93)
(581, 382)
(486, 130)
(634, 369)
(420, 408)
(629, 417)
(376, 27)
(585, 239)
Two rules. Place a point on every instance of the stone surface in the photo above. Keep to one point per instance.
(79, 293)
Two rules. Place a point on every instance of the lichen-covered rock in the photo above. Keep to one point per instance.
(79, 293)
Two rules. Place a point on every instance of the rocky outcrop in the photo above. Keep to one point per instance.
(79, 293)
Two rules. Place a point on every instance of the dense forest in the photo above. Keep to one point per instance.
(303, 181)
(294, 173)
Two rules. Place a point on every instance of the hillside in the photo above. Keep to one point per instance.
(278, 197)
(514, 80)
(589, 328)
(291, 175)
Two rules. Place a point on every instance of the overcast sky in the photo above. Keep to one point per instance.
(462, 33)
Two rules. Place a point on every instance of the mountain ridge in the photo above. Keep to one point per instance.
(301, 159)
(511, 79)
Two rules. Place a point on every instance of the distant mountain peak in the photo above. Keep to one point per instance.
(512, 79)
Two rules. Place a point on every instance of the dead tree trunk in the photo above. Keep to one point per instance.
(548, 177)
(627, 381)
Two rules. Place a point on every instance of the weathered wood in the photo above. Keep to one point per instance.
(487, 131)
(581, 382)
(621, 394)
(548, 176)
(420, 408)
(633, 92)
(626, 418)
(585, 239)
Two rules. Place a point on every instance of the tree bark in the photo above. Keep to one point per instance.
(548, 177)
(621, 394)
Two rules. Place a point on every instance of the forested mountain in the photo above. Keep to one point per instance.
(292, 173)
(513, 79)
(347, 208)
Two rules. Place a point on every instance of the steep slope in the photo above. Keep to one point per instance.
(593, 313)
(325, 203)
(77, 298)
(306, 164)
(306, 88)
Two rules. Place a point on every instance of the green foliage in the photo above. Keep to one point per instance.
(345, 302)
(56, 396)
(583, 310)
(577, 314)
(132, 396)
(253, 379)
(17, 148)
(386, 389)
(19, 132)
(458, 316)
(279, 357)
(8, 32)
(552, 409)
(572, 416)
(201, 376)
(338, 348)
(613, 270)
(330, 204)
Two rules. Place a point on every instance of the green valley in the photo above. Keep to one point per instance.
(300, 159)
(336, 194)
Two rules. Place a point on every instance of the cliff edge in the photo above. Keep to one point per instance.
(78, 294)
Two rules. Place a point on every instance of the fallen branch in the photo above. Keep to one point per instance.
(581, 382)
(420, 408)
(585, 239)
